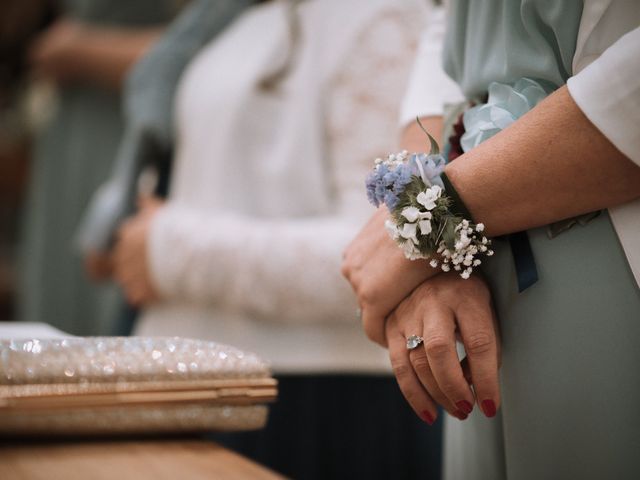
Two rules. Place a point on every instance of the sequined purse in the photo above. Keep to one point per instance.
(116, 385)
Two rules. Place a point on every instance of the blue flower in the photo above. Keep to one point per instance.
(432, 166)
(402, 177)
(391, 200)
(375, 189)
(384, 185)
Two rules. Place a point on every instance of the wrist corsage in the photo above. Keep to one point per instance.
(428, 219)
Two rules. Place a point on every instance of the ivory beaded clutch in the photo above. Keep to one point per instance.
(115, 385)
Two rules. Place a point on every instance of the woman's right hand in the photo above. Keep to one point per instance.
(442, 310)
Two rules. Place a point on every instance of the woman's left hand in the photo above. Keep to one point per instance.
(380, 275)
(441, 310)
(131, 266)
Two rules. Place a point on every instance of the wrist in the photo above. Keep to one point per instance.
(426, 220)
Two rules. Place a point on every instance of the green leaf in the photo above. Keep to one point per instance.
(435, 150)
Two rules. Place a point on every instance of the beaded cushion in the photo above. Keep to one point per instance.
(106, 385)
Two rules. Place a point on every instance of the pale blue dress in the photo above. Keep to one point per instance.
(571, 342)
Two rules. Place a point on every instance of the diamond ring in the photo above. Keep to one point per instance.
(414, 341)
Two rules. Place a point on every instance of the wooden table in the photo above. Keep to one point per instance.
(175, 459)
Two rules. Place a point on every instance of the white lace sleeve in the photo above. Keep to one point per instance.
(289, 270)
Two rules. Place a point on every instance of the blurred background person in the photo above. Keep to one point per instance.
(277, 123)
(85, 54)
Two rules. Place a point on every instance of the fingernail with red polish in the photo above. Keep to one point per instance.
(489, 408)
(460, 415)
(464, 406)
(427, 417)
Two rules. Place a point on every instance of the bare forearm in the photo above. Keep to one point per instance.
(551, 164)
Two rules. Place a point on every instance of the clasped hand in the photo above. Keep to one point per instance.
(400, 298)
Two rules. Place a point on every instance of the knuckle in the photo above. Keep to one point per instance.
(345, 270)
(412, 396)
(477, 290)
(429, 290)
(436, 346)
(401, 369)
(367, 294)
(373, 332)
(420, 362)
(448, 386)
(369, 332)
(479, 343)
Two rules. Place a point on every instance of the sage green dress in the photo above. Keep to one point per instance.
(72, 156)
(571, 342)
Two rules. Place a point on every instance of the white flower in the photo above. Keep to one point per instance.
(465, 274)
(489, 253)
(411, 213)
(480, 227)
(392, 228)
(445, 267)
(463, 243)
(410, 250)
(409, 231)
(433, 263)
(408, 247)
(428, 198)
(425, 227)
(477, 262)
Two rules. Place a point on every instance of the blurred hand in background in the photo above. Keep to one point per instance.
(130, 257)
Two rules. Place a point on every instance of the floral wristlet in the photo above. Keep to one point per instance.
(428, 218)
